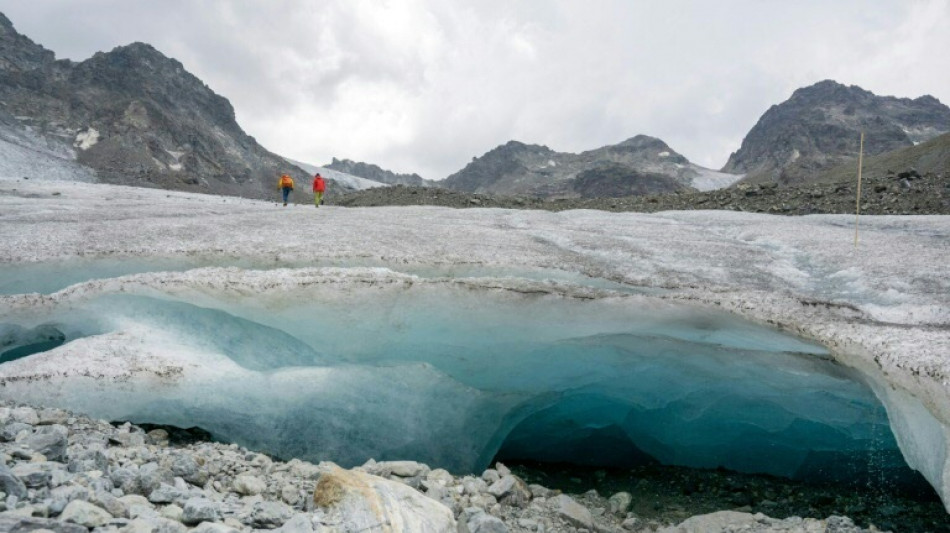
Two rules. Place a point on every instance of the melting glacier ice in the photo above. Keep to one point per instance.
(451, 373)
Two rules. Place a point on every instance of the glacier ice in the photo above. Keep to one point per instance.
(349, 364)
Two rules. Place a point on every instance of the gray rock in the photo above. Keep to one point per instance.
(49, 415)
(12, 429)
(85, 514)
(184, 466)
(719, 521)
(110, 503)
(269, 515)
(197, 510)
(474, 520)
(511, 491)
(25, 524)
(619, 503)
(27, 415)
(571, 511)
(299, 523)
(150, 476)
(11, 484)
(90, 459)
(33, 475)
(50, 441)
(248, 485)
(214, 527)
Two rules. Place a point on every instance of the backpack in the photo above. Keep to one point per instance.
(285, 181)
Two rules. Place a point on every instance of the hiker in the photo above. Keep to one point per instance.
(319, 187)
(285, 184)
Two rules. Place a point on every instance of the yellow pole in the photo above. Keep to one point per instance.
(857, 208)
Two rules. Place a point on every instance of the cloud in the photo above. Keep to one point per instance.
(423, 85)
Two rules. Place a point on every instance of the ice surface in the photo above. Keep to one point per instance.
(882, 309)
(349, 364)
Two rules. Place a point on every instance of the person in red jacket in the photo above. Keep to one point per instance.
(319, 187)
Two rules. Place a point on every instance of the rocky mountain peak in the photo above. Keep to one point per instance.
(820, 126)
(18, 52)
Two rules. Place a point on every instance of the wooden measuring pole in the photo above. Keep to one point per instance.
(857, 208)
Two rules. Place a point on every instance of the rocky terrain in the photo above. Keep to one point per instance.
(819, 127)
(375, 173)
(522, 169)
(134, 117)
(907, 192)
(67, 473)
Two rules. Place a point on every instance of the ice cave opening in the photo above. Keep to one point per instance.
(457, 374)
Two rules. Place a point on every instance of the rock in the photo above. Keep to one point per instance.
(571, 511)
(110, 503)
(619, 503)
(248, 485)
(399, 468)
(24, 524)
(85, 514)
(33, 475)
(474, 520)
(197, 510)
(184, 466)
(490, 475)
(26, 415)
(158, 437)
(12, 429)
(11, 484)
(212, 527)
(719, 521)
(354, 501)
(511, 491)
(50, 441)
(289, 494)
(269, 515)
(538, 491)
(173, 512)
(49, 416)
(299, 523)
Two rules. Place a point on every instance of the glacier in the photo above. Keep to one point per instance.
(753, 342)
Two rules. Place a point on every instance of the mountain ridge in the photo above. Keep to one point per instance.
(135, 117)
(819, 127)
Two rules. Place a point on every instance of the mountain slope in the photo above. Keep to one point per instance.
(134, 116)
(819, 127)
(377, 174)
(516, 168)
(931, 157)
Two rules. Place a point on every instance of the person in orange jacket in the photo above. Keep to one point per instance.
(319, 187)
(285, 184)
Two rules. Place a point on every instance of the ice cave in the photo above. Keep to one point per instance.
(347, 364)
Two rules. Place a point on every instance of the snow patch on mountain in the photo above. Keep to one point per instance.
(347, 180)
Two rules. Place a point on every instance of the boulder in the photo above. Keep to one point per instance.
(619, 503)
(248, 485)
(50, 441)
(268, 515)
(85, 514)
(351, 500)
(25, 524)
(571, 511)
(719, 521)
(11, 484)
(474, 520)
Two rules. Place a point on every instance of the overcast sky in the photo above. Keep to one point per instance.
(425, 85)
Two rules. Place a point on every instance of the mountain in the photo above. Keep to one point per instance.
(820, 126)
(927, 158)
(339, 179)
(516, 168)
(375, 173)
(133, 116)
